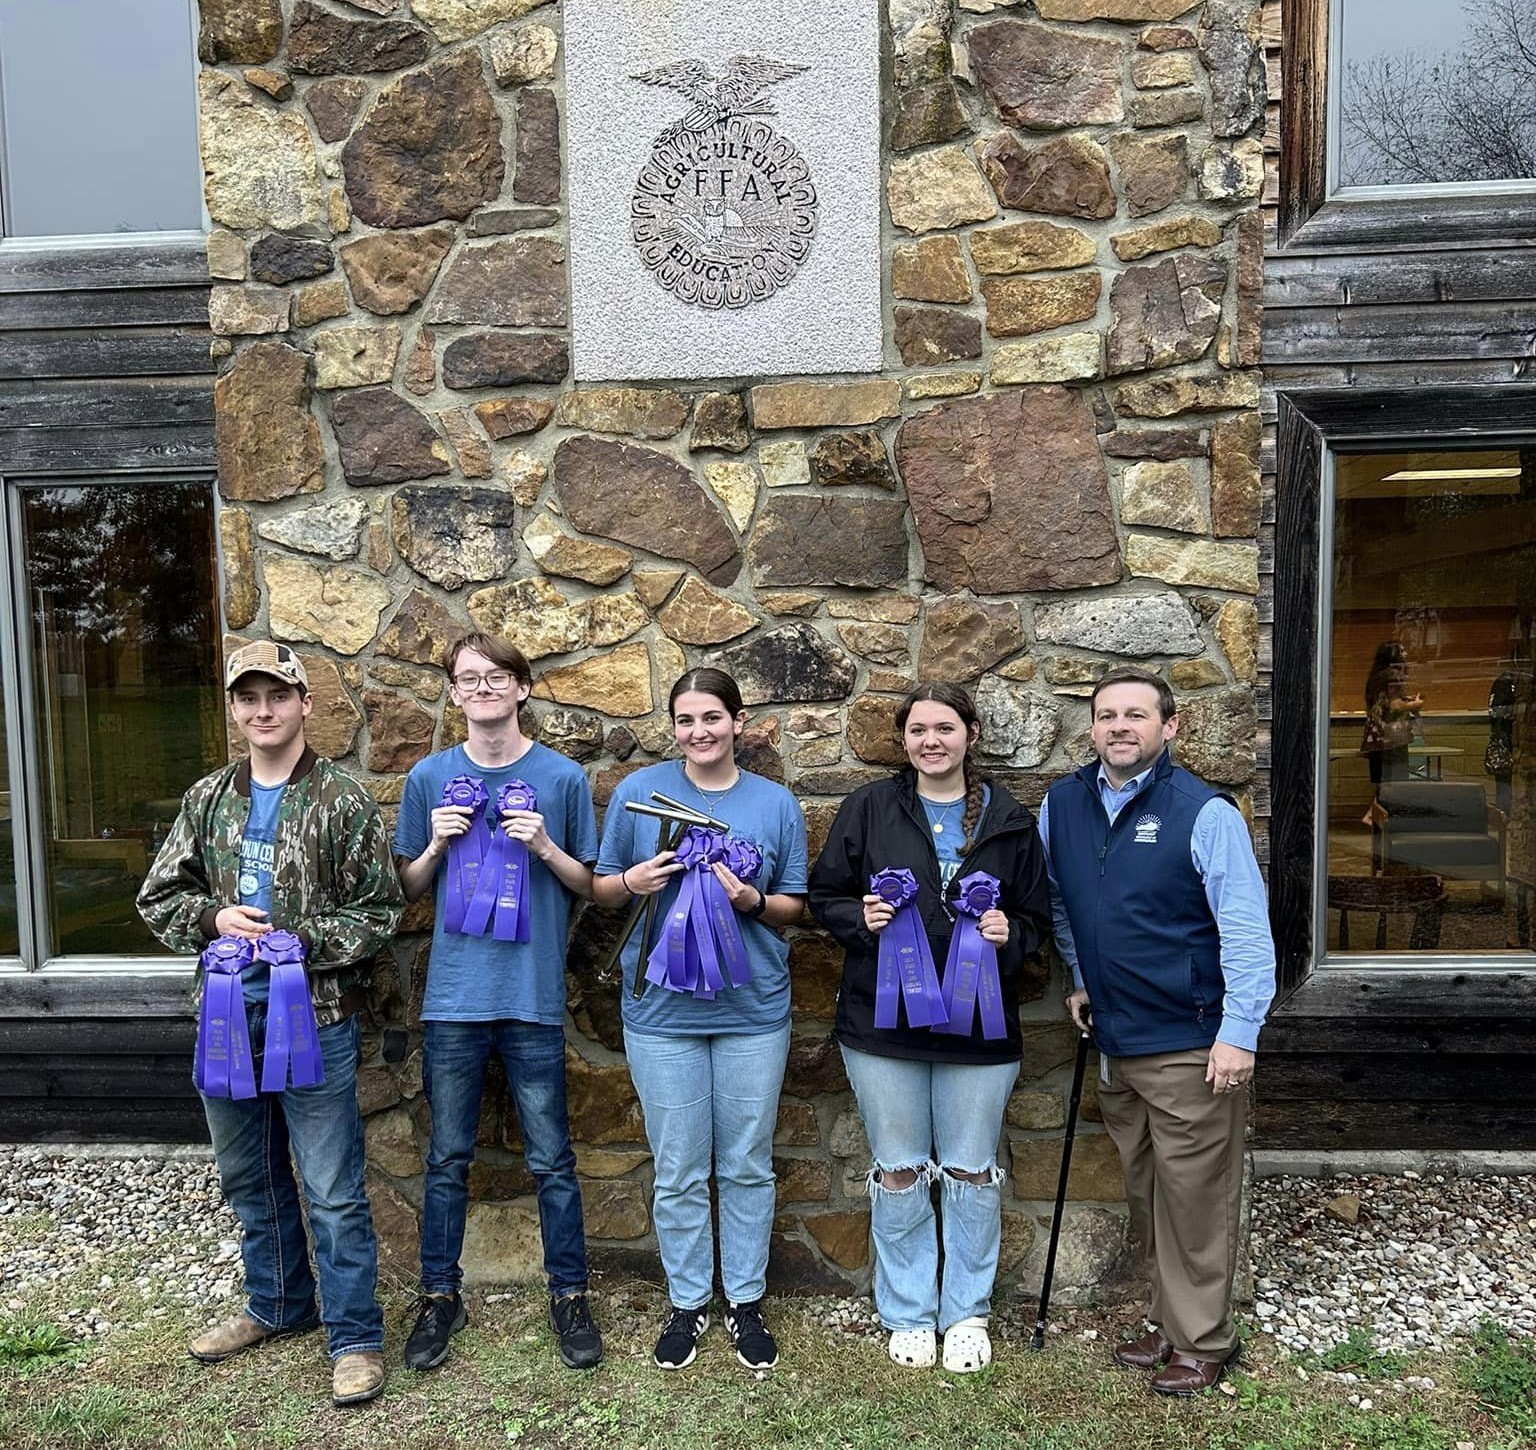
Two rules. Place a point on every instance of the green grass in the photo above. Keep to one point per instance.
(1359, 1354)
(20, 1342)
(1501, 1375)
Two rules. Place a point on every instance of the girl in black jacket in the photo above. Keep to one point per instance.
(932, 1096)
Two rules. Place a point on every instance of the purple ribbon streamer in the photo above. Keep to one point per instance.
(293, 1039)
(971, 967)
(700, 949)
(221, 1064)
(500, 900)
(465, 852)
(904, 970)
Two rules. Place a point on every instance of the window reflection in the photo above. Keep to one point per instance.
(121, 583)
(1431, 804)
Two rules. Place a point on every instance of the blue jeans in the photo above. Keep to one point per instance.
(454, 1074)
(251, 1141)
(954, 1112)
(709, 1097)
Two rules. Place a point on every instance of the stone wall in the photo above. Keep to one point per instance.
(1056, 471)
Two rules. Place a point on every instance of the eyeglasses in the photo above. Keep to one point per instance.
(497, 680)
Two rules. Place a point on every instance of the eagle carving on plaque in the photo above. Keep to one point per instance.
(724, 210)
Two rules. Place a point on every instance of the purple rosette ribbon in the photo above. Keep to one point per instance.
(970, 971)
(293, 1040)
(465, 852)
(904, 970)
(700, 949)
(500, 902)
(221, 1065)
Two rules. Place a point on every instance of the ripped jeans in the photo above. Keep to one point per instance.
(933, 1117)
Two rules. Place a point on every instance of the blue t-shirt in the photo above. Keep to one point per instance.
(480, 979)
(257, 844)
(950, 815)
(756, 808)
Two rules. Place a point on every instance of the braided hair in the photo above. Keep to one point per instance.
(956, 698)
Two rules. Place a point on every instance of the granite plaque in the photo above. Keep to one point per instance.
(724, 187)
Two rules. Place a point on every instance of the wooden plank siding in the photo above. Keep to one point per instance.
(104, 367)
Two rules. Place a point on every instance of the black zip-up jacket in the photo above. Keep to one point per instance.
(882, 825)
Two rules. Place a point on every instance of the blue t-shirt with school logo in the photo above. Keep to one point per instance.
(477, 978)
(257, 845)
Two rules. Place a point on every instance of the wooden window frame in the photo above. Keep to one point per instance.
(1309, 423)
(1309, 219)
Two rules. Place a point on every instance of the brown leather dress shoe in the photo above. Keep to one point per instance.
(1184, 1375)
(1151, 1351)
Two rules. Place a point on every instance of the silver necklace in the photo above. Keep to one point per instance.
(943, 808)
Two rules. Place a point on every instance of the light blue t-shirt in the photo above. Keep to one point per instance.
(756, 808)
(257, 845)
(480, 979)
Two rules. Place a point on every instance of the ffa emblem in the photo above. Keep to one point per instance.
(724, 209)
(1146, 830)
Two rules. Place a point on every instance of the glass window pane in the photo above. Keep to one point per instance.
(1431, 784)
(100, 113)
(121, 583)
(1435, 92)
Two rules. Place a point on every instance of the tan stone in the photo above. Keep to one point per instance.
(1163, 496)
(1164, 397)
(274, 82)
(338, 211)
(941, 385)
(526, 53)
(1232, 171)
(268, 441)
(508, 417)
(1237, 629)
(615, 1209)
(1031, 246)
(574, 557)
(932, 270)
(540, 621)
(421, 365)
(735, 484)
(698, 614)
(1017, 305)
(1195, 674)
(875, 608)
(469, 446)
(452, 20)
(424, 684)
(242, 597)
(1235, 481)
(1113, 9)
(226, 255)
(608, 1162)
(259, 168)
(653, 585)
(784, 465)
(843, 1237)
(1164, 236)
(319, 302)
(339, 608)
(1156, 72)
(642, 412)
(937, 189)
(390, 1143)
(1022, 670)
(963, 636)
(1194, 561)
(248, 309)
(789, 602)
(617, 683)
(1035, 1112)
(525, 475)
(1018, 1237)
(502, 1244)
(391, 272)
(1095, 1175)
(825, 405)
(885, 644)
(354, 357)
(1216, 735)
(1075, 357)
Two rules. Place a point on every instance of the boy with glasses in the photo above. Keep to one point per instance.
(485, 994)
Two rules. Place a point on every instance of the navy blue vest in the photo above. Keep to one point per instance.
(1147, 944)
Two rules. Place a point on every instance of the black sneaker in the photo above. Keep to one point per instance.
(679, 1341)
(754, 1344)
(440, 1317)
(581, 1346)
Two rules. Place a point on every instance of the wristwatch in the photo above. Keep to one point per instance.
(762, 905)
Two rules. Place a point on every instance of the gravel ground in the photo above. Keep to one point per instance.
(1425, 1259)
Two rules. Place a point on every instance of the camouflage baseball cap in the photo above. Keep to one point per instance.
(265, 658)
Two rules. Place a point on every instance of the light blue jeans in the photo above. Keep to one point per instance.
(938, 1119)
(711, 1096)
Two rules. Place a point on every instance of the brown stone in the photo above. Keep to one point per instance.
(1165, 236)
(986, 474)
(1165, 312)
(242, 597)
(720, 421)
(1237, 629)
(1114, 9)
(498, 1181)
(932, 270)
(428, 148)
(259, 167)
(1166, 37)
(653, 585)
(963, 637)
(617, 683)
(1216, 736)
(795, 1126)
(453, 535)
(937, 189)
(468, 443)
(1250, 287)
(872, 734)
(324, 44)
(536, 179)
(698, 614)
(399, 730)
(239, 32)
(1154, 172)
(1044, 78)
(843, 1237)
(644, 499)
(825, 405)
(815, 969)
(1035, 1112)
(802, 1180)
(503, 221)
(860, 543)
(504, 359)
(333, 105)
(1235, 483)
(1068, 176)
(787, 665)
(1030, 247)
(513, 282)
(510, 417)
(927, 114)
(885, 644)
(338, 608)
(1095, 1175)
(268, 441)
(571, 557)
(425, 684)
(421, 631)
(815, 1067)
(852, 458)
(615, 1209)
(1162, 443)
(642, 412)
(1165, 397)
(1163, 496)
(383, 439)
(320, 302)
(391, 1143)
(1020, 305)
(279, 260)
(928, 335)
(391, 272)
(353, 357)
(334, 720)
(1194, 561)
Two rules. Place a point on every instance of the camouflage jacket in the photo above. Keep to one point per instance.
(333, 879)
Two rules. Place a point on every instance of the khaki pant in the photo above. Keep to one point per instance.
(1181, 1147)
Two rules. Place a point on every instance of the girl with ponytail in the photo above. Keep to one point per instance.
(956, 865)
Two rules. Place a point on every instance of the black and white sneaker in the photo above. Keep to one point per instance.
(581, 1346)
(440, 1317)
(754, 1344)
(679, 1342)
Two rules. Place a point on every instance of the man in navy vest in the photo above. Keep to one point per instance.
(1160, 913)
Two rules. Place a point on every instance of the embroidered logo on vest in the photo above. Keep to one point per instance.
(1146, 830)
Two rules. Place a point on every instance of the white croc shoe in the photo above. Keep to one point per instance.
(914, 1348)
(967, 1346)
